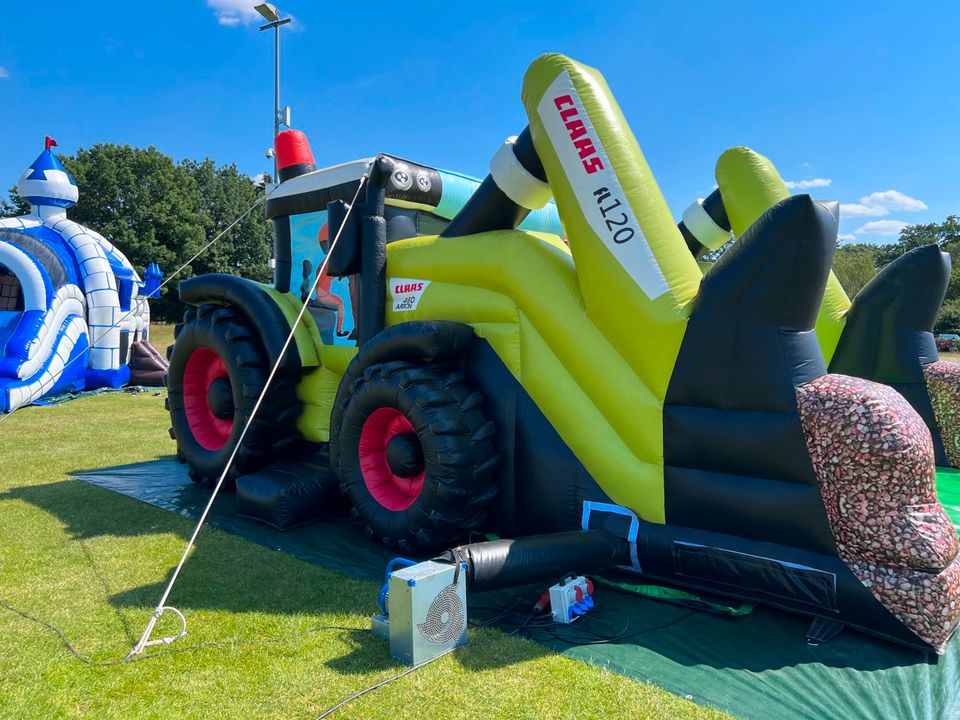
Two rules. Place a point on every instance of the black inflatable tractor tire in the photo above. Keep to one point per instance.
(233, 338)
(458, 454)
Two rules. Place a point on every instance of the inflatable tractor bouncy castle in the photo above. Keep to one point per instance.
(73, 311)
(462, 368)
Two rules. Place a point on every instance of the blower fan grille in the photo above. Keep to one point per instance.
(445, 617)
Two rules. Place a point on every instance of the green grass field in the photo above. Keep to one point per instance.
(161, 335)
(94, 563)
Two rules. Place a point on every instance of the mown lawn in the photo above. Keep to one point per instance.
(93, 563)
(161, 335)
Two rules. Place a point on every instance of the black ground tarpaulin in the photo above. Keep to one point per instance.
(755, 667)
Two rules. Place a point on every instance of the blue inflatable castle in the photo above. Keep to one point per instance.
(73, 311)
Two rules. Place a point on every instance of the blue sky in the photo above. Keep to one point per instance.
(862, 96)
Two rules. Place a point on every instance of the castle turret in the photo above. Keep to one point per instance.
(47, 185)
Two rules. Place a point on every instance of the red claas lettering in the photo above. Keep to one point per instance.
(577, 130)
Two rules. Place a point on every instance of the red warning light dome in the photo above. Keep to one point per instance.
(294, 156)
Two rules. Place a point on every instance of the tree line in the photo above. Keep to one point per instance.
(855, 264)
(155, 209)
(158, 210)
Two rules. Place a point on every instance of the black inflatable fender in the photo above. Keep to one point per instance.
(415, 341)
(895, 312)
(251, 300)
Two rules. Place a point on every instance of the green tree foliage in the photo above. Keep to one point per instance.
(948, 321)
(15, 205)
(157, 210)
(855, 265)
(141, 201)
(947, 236)
(225, 194)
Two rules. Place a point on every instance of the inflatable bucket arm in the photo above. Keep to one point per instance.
(636, 275)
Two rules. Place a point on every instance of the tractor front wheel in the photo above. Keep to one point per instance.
(218, 369)
(415, 454)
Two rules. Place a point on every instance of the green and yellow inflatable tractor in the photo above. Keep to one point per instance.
(462, 367)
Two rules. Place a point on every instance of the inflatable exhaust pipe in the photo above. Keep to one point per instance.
(517, 184)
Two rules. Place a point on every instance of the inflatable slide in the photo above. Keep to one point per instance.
(73, 311)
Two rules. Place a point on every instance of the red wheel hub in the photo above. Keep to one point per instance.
(392, 491)
(204, 366)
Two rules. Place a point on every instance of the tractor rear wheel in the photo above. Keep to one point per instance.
(415, 454)
(218, 369)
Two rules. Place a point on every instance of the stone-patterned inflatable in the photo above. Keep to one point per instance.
(873, 458)
(943, 385)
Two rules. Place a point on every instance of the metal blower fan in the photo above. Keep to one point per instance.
(428, 611)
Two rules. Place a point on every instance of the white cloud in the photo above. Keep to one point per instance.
(882, 228)
(807, 184)
(893, 200)
(861, 210)
(3, 72)
(847, 237)
(235, 12)
(879, 204)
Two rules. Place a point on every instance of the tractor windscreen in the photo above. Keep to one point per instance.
(332, 300)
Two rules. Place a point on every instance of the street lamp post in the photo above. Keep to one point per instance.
(272, 16)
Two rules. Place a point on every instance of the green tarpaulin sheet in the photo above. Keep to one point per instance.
(948, 490)
(756, 667)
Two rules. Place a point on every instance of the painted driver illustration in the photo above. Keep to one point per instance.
(323, 296)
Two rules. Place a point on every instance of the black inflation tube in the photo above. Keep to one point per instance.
(489, 208)
(520, 561)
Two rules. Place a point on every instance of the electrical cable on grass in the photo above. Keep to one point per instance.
(232, 642)
(162, 607)
(333, 708)
(529, 622)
